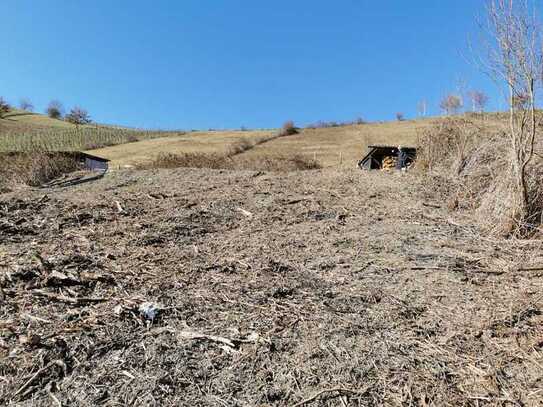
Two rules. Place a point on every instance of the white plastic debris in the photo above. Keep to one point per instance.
(149, 310)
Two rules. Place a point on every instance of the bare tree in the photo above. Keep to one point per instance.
(55, 110)
(451, 104)
(478, 100)
(26, 105)
(78, 116)
(422, 107)
(4, 107)
(515, 60)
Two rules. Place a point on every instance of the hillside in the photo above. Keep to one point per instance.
(329, 146)
(19, 120)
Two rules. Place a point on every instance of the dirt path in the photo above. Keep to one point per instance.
(337, 288)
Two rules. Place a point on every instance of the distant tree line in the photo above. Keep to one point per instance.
(55, 110)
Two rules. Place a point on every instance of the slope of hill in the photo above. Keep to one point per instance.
(24, 131)
(330, 146)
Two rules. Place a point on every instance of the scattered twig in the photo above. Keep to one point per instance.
(244, 212)
(68, 300)
(341, 391)
(119, 207)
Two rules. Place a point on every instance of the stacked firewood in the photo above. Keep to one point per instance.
(389, 163)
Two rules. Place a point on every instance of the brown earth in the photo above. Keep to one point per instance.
(322, 288)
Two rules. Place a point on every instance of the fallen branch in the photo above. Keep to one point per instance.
(244, 212)
(68, 300)
(119, 207)
(535, 268)
(341, 391)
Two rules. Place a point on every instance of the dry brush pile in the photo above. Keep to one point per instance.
(469, 159)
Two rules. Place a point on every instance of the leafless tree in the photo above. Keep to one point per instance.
(4, 107)
(400, 117)
(478, 100)
(78, 116)
(26, 105)
(451, 104)
(422, 107)
(55, 110)
(515, 60)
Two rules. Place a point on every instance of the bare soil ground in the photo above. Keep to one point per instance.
(322, 288)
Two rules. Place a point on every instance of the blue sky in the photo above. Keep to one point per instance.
(183, 64)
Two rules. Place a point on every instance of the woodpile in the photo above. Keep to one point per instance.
(389, 163)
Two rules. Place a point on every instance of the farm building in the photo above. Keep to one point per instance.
(92, 162)
(388, 157)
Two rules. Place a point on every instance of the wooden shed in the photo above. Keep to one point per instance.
(93, 162)
(379, 153)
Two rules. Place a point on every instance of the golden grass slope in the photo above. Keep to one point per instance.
(330, 146)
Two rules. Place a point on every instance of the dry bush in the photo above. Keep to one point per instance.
(241, 146)
(35, 168)
(218, 161)
(474, 163)
(55, 110)
(4, 107)
(289, 128)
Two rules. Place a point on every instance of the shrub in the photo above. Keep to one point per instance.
(54, 110)
(472, 163)
(240, 146)
(289, 128)
(359, 121)
(4, 107)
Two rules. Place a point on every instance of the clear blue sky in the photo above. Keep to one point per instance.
(228, 63)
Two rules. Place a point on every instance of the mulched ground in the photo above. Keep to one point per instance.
(217, 288)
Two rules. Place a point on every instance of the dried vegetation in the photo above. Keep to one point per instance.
(470, 158)
(34, 169)
(233, 288)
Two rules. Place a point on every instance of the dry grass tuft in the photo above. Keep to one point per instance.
(36, 168)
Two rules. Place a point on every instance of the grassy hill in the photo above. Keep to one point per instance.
(24, 131)
(330, 146)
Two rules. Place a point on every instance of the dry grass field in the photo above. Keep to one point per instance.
(329, 146)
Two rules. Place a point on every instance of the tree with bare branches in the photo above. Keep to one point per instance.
(515, 62)
(26, 105)
(451, 104)
(78, 116)
(478, 100)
